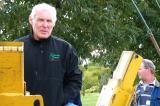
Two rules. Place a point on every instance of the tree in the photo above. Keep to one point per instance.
(109, 26)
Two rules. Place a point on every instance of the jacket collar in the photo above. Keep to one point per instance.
(39, 41)
(155, 83)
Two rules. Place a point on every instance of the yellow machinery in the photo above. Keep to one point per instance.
(120, 89)
(12, 89)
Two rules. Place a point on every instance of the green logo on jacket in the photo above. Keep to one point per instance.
(53, 56)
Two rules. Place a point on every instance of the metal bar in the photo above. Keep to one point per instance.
(158, 3)
(148, 30)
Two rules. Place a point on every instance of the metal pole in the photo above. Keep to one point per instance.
(158, 3)
(148, 30)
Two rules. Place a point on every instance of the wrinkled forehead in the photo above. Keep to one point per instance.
(44, 11)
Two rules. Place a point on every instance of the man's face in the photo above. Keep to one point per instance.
(42, 24)
(143, 72)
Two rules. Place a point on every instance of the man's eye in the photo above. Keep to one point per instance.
(49, 20)
(40, 19)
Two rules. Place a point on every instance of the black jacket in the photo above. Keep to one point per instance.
(51, 69)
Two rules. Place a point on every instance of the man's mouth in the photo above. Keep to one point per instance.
(43, 31)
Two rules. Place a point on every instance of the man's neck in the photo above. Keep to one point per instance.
(149, 80)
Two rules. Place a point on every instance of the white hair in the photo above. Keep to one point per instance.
(149, 64)
(46, 6)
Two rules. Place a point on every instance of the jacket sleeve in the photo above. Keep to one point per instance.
(73, 76)
(155, 97)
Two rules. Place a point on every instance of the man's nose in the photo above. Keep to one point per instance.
(45, 24)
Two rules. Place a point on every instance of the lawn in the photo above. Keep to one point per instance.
(90, 99)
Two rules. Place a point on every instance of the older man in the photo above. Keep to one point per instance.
(148, 89)
(50, 63)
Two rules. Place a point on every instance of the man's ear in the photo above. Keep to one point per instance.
(30, 20)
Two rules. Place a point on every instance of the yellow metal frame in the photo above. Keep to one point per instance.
(124, 92)
(12, 87)
(120, 89)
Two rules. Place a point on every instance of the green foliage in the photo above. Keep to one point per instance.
(103, 78)
(93, 89)
(109, 26)
(93, 80)
(13, 19)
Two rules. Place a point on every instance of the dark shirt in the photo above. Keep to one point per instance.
(148, 94)
(51, 69)
(144, 94)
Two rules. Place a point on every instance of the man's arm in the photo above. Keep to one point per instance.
(73, 76)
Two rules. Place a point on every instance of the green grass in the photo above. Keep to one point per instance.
(90, 99)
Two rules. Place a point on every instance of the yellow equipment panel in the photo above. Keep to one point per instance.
(12, 87)
(120, 89)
